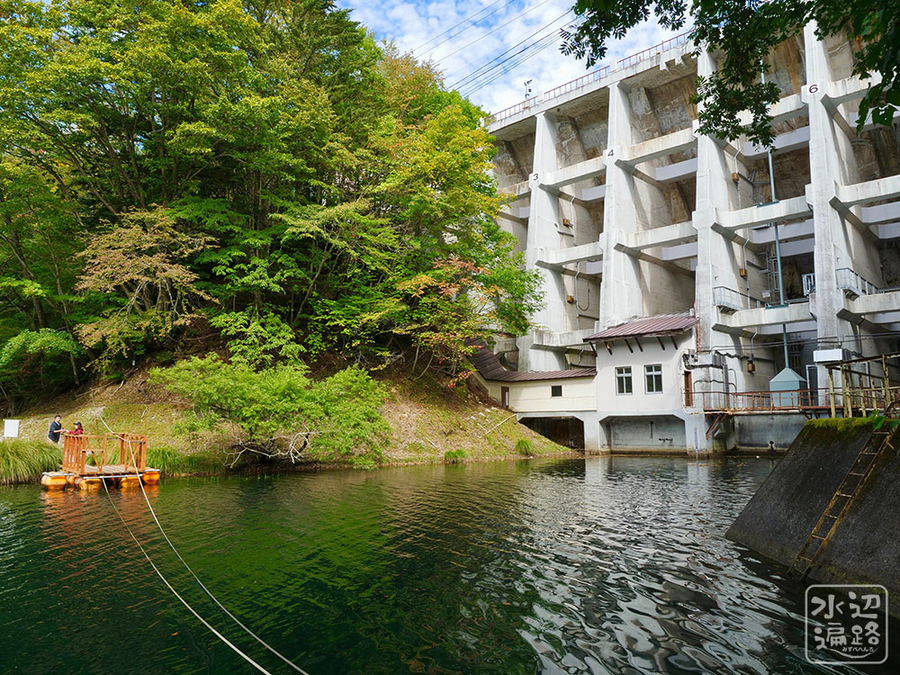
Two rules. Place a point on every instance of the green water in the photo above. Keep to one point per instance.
(574, 566)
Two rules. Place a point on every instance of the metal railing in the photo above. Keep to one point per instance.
(512, 110)
(644, 54)
(728, 298)
(848, 280)
(866, 384)
(856, 388)
(578, 83)
(593, 76)
(761, 401)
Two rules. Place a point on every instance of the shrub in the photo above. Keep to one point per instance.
(525, 447)
(284, 413)
(22, 461)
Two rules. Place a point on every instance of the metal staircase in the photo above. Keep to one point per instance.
(843, 499)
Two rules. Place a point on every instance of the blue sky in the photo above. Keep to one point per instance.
(498, 25)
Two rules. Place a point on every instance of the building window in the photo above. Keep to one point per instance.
(623, 380)
(653, 378)
(556, 390)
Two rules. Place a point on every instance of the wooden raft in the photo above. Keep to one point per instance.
(119, 458)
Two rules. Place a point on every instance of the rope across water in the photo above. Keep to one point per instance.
(193, 574)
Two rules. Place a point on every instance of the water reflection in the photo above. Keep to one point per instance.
(604, 565)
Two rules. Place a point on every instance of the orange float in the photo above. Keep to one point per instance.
(53, 480)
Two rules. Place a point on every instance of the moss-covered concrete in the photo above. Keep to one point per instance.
(777, 521)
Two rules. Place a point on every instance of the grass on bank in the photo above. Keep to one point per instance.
(429, 424)
(23, 461)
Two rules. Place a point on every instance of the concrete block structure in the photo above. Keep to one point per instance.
(627, 212)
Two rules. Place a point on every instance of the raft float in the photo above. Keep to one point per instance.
(130, 470)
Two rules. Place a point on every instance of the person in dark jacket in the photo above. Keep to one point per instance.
(55, 429)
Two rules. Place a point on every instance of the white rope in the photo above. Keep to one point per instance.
(174, 592)
(188, 567)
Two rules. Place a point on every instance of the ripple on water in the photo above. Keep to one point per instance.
(578, 566)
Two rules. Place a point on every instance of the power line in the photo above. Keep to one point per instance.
(482, 70)
(468, 18)
(504, 25)
(549, 41)
(507, 65)
(537, 47)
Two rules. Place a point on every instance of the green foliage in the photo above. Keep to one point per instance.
(840, 424)
(744, 33)
(263, 165)
(258, 339)
(23, 461)
(879, 420)
(42, 360)
(525, 447)
(171, 461)
(455, 456)
(284, 413)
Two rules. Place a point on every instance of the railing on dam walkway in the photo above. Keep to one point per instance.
(856, 388)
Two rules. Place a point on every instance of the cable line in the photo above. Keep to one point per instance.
(196, 578)
(481, 70)
(507, 65)
(174, 592)
(508, 3)
(504, 25)
(537, 47)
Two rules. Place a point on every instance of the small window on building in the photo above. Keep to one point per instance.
(556, 390)
(653, 378)
(623, 380)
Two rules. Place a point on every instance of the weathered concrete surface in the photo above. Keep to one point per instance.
(752, 433)
(777, 521)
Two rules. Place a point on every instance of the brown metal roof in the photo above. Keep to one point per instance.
(651, 326)
(490, 368)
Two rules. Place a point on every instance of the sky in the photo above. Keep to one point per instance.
(481, 32)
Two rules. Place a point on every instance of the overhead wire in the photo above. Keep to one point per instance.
(468, 18)
(503, 69)
(196, 578)
(474, 74)
(494, 30)
(534, 49)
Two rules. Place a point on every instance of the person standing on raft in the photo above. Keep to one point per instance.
(55, 429)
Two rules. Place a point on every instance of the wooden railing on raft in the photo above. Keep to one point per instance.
(132, 453)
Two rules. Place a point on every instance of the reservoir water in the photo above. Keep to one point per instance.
(601, 565)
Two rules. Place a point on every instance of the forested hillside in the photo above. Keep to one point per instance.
(258, 175)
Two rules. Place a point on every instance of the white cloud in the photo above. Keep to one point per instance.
(498, 26)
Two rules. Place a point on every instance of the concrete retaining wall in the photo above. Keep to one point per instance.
(651, 434)
(781, 515)
(752, 433)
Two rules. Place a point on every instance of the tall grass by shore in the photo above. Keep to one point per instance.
(171, 461)
(23, 461)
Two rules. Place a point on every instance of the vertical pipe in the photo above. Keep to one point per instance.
(777, 243)
(831, 391)
(845, 393)
(886, 382)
